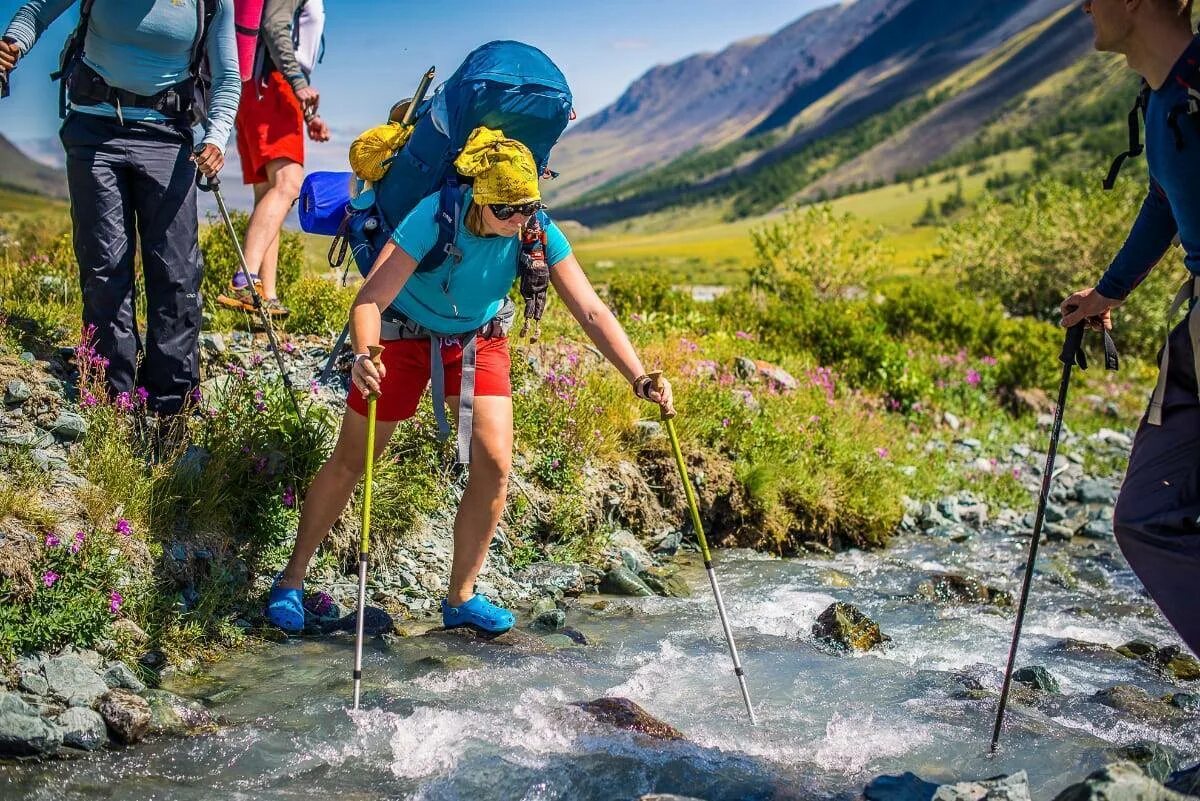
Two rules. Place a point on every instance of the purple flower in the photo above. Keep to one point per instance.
(289, 497)
(256, 360)
(743, 335)
(882, 453)
(52, 541)
(49, 577)
(124, 402)
(313, 386)
(288, 347)
(89, 400)
(143, 394)
(197, 396)
(77, 544)
(123, 528)
(973, 377)
(725, 423)
(114, 601)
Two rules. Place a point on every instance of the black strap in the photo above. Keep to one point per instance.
(449, 212)
(1135, 137)
(1073, 353)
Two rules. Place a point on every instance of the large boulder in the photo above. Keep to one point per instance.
(843, 626)
(82, 728)
(910, 787)
(175, 716)
(1038, 678)
(623, 581)
(1137, 703)
(118, 674)
(1120, 781)
(624, 714)
(23, 733)
(126, 714)
(70, 677)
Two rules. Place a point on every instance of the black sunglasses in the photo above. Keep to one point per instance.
(503, 210)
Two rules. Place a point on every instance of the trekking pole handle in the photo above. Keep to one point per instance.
(375, 353)
(656, 382)
(1073, 344)
(205, 183)
(3, 83)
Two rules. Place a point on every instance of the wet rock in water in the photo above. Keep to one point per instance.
(910, 787)
(1121, 781)
(1057, 532)
(576, 635)
(1138, 649)
(669, 543)
(666, 583)
(1188, 702)
(376, 622)
(1055, 513)
(68, 676)
(668, 797)
(1186, 781)
(844, 626)
(1038, 678)
(551, 576)
(175, 716)
(622, 581)
(836, 578)
(1170, 659)
(547, 615)
(1154, 760)
(624, 714)
(82, 728)
(957, 589)
(118, 674)
(23, 733)
(126, 714)
(449, 662)
(1070, 646)
(559, 641)
(1137, 703)
(513, 638)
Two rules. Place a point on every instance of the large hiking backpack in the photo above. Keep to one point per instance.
(247, 19)
(504, 85)
(201, 72)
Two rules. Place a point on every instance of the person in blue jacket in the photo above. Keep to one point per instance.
(130, 170)
(1157, 516)
(450, 324)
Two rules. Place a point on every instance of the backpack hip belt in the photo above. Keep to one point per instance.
(397, 326)
(1189, 294)
(86, 87)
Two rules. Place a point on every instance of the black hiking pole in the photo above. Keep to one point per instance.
(694, 509)
(213, 184)
(3, 83)
(1072, 354)
(410, 113)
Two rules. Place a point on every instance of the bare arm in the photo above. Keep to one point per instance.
(391, 271)
(600, 325)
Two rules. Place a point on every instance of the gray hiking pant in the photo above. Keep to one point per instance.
(134, 183)
(1157, 517)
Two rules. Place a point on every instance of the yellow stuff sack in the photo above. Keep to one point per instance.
(376, 145)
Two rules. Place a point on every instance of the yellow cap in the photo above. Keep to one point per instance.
(375, 146)
(504, 169)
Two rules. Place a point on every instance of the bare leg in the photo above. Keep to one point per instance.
(270, 262)
(284, 178)
(330, 491)
(483, 500)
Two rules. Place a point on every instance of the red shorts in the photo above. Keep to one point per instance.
(407, 364)
(268, 127)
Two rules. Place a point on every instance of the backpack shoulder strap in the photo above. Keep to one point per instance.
(206, 11)
(450, 204)
(1135, 136)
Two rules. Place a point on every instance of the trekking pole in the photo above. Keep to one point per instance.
(365, 538)
(3, 84)
(1072, 354)
(213, 184)
(410, 114)
(694, 508)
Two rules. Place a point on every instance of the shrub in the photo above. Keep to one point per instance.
(815, 249)
(318, 306)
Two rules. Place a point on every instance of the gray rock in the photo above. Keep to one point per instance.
(670, 543)
(1096, 530)
(119, 675)
(1038, 678)
(558, 640)
(1058, 532)
(69, 426)
(1004, 788)
(13, 704)
(905, 787)
(126, 714)
(624, 714)
(1188, 702)
(975, 514)
(745, 368)
(1093, 491)
(845, 627)
(953, 588)
(668, 797)
(648, 429)
(69, 677)
(951, 420)
(667, 584)
(27, 735)
(621, 581)
(551, 576)
(213, 343)
(1055, 513)
(48, 460)
(34, 683)
(174, 716)
(16, 392)
(1121, 781)
(82, 728)
(631, 561)
(1155, 760)
(1137, 703)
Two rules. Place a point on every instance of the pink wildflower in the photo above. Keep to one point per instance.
(114, 602)
(49, 577)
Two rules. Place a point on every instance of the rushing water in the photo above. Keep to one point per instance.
(485, 722)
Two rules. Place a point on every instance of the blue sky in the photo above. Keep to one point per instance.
(377, 49)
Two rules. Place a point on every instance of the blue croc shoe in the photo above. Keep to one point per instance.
(478, 612)
(285, 607)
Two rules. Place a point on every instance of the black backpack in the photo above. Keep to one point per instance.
(201, 71)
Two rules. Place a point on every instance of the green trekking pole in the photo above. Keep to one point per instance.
(694, 508)
(365, 540)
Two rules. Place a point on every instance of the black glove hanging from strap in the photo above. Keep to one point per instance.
(535, 275)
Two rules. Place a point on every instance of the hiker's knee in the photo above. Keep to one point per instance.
(491, 465)
(288, 178)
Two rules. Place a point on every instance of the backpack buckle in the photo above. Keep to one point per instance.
(454, 251)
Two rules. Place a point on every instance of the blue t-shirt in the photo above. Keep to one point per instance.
(1172, 205)
(459, 297)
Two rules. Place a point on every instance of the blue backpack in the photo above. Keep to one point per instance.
(503, 85)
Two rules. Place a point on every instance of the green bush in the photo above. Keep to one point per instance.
(813, 249)
(318, 306)
(643, 292)
(1054, 239)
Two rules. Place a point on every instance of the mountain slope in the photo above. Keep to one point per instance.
(18, 171)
